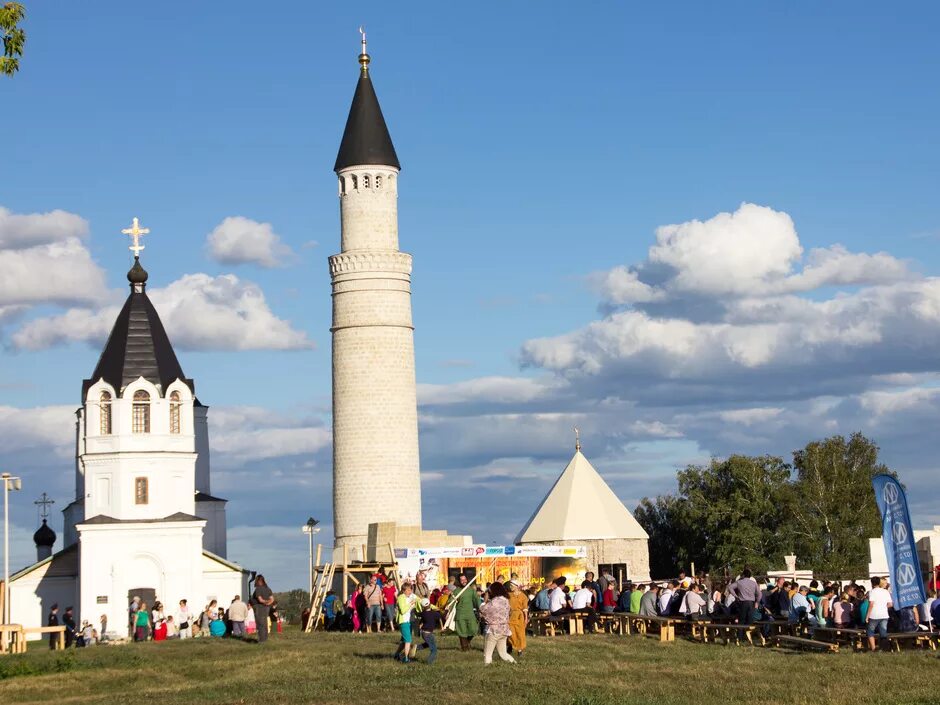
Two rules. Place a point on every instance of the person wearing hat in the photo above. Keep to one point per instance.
(53, 621)
(518, 616)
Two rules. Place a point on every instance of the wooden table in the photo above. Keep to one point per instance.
(641, 624)
(12, 639)
(60, 630)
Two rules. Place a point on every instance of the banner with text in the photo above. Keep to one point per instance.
(907, 584)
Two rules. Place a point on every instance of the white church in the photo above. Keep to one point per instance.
(143, 521)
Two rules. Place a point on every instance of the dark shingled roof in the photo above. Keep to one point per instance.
(366, 139)
(138, 347)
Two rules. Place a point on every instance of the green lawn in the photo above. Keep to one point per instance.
(346, 668)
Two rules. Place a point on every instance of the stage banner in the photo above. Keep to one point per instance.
(481, 551)
(907, 584)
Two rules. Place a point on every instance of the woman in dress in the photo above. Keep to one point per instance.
(158, 619)
(518, 617)
(496, 613)
(353, 606)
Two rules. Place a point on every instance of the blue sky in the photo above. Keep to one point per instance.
(542, 146)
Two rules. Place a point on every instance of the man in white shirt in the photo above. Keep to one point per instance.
(665, 597)
(581, 603)
(557, 600)
(694, 602)
(879, 602)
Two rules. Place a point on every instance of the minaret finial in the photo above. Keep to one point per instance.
(577, 440)
(364, 58)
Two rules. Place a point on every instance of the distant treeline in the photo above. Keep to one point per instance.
(753, 510)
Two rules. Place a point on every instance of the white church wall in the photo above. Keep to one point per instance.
(32, 597)
(110, 482)
(120, 557)
(201, 433)
(214, 539)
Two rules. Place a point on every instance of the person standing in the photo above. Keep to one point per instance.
(374, 603)
(237, 614)
(431, 621)
(496, 613)
(69, 621)
(53, 621)
(406, 604)
(466, 602)
(141, 622)
(103, 634)
(518, 617)
(184, 619)
(876, 620)
(261, 600)
(746, 594)
(132, 615)
(389, 596)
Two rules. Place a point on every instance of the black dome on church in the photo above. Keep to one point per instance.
(138, 345)
(365, 139)
(44, 536)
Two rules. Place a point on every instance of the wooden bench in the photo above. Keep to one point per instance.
(543, 625)
(841, 635)
(616, 623)
(732, 633)
(800, 642)
(60, 630)
(641, 625)
(916, 639)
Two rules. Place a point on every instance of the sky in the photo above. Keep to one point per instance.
(690, 231)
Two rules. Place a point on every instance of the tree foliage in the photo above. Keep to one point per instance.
(290, 604)
(834, 511)
(751, 511)
(14, 38)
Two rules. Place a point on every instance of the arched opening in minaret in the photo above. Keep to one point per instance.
(140, 422)
(378, 181)
(365, 181)
(174, 412)
(104, 411)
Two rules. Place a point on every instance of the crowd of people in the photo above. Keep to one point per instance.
(499, 611)
(157, 623)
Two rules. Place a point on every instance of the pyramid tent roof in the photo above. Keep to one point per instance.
(580, 506)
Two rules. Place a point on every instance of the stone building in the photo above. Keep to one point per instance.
(376, 476)
(143, 521)
(581, 509)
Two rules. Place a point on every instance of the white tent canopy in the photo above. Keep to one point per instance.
(580, 507)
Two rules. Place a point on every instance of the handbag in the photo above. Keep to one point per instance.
(184, 625)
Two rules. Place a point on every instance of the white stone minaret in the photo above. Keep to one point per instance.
(376, 476)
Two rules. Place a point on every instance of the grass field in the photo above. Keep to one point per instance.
(345, 668)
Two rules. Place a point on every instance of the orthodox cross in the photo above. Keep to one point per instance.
(135, 231)
(44, 502)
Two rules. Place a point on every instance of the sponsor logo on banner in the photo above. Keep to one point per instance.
(907, 584)
(495, 551)
(467, 552)
(510, 550)
(479, 550)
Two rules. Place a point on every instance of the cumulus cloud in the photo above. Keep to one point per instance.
(19, 231)
(43, 427)
(239, 240)
(59, 272)
(199, 311)
(752, 252)
(254, 433)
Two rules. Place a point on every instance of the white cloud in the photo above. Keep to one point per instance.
(752, 252)
(19, 231)
(248, 433)
(200, 312)
(497, 390)
(59, 272)
(239, 240)
(751, 416)
(41, 427)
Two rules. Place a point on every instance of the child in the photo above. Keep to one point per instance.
(406, 604)
(431, 621)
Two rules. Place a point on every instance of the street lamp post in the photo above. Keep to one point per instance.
(9, 483)
(310, 528)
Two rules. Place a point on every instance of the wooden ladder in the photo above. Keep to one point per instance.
(322, 585)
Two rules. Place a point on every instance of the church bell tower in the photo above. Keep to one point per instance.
(376, 475)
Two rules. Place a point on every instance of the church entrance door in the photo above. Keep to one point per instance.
(148, 595)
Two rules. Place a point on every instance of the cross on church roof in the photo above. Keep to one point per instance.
(44, 502)
(135, 231)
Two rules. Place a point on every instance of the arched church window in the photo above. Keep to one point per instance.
(140, 422)
(355, 182)
(365, 181)
(104, 410)
(378, 181)
(141, 490)
(174, 412)
(342, 186)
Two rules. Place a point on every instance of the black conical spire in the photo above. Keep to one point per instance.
(365, 139)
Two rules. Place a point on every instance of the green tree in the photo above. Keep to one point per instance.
(833, 504)
(669, 541)
(14, 38)
(739, 505)
(291, 603)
